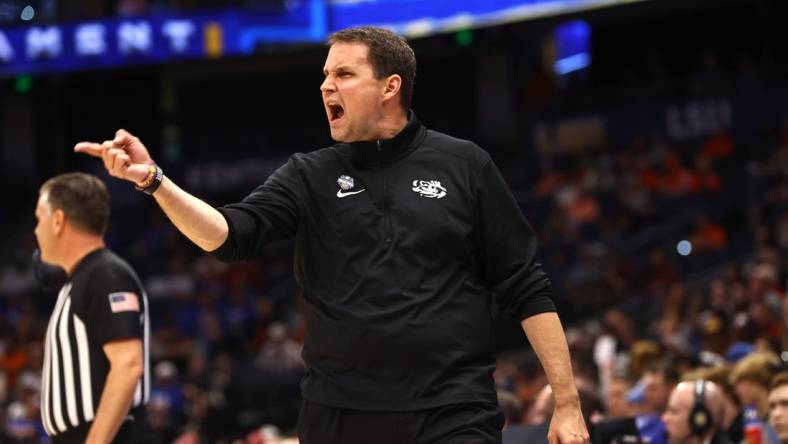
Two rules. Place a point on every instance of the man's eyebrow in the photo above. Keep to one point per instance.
(338, 68)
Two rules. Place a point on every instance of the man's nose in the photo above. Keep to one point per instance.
(327, 85)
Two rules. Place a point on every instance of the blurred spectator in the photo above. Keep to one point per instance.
(166, 406)
(643, 355)
(616, 403)
(13, 359)
(542, 408)
(622, 328)
(705, 179)
(719, 145)
(732, 420)
(676, 180)
(20, 424)
(778, 406)
(512, 408)
(682, 427)
(657, 382)
(708, 236)
(713, 327)
(750, 379)
(280, 353)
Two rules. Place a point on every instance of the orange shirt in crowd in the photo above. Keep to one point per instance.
(718, 145)
(13, 363)
(710, 237)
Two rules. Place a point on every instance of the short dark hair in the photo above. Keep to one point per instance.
(388, 54)
(83, 198)
(667, 368)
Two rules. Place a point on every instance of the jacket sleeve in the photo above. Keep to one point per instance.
(508, 248)
(268, 214)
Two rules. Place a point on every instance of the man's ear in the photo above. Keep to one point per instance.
(58, 221)
(392, 87)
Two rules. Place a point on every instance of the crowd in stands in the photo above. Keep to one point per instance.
(666, 321)
(668, 263)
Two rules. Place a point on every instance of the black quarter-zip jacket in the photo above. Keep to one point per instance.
(401, 245)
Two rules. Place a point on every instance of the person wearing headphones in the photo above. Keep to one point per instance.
(694, 414)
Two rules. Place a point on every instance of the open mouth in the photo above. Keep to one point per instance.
(335, 112)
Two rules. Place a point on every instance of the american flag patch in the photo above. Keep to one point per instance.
(124, 301)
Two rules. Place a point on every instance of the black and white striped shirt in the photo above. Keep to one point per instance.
(102, 301)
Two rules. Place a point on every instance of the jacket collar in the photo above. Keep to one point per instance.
(380, 152)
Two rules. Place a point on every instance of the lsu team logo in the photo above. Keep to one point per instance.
(345, 182)
(429, 188)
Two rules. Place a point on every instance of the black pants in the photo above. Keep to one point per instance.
(450, 424)
(137, 431)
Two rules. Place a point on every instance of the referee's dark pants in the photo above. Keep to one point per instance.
(475, 423)
(137, 431)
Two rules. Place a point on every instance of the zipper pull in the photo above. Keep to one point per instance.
(380, 147)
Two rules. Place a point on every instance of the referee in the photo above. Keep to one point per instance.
(95, 380)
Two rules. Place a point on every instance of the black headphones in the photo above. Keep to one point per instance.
(700, 420)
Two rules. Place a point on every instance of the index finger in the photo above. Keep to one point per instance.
(90, 148)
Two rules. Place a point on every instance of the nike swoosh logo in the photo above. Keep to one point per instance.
(340, 194)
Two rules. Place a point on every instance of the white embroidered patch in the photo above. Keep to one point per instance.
(429, 188)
